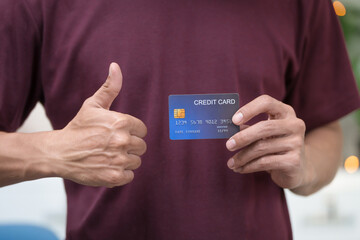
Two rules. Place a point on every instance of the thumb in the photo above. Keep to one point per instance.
(110, 89)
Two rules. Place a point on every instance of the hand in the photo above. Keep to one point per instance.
(100, 147)
(275, 145)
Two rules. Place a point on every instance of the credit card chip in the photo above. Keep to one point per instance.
(179, 113)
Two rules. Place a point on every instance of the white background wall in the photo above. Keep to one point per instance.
(331, 214)
(41, 202)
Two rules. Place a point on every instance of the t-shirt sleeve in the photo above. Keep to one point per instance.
(323, 89)
(20, 88)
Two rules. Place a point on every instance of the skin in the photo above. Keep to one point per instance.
(301, 162)
(98, 147)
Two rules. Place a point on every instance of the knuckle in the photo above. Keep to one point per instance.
(277, 164)
(137, 162)
(114, 143)
(237, 159)
(129, 176)
(123, 140)
(297, 126)
(294, 142)
(143, 147)
(138, 144)
(115, 177)
(262, 165)
(290, 110)
(245, 137)
(301, 125)
(294, 158)
(298, 141)
(267, 163)
(268, 127)
(263, 162)
(107, 88)
(289, 144)
(122, 121)
(119, 160)
(261, 146)
(145, 130)
(266, 99)
(141, 127)
(126, 139)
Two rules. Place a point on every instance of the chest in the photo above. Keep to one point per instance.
(177, 47)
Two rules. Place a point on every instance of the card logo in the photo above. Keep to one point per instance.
(179, 113)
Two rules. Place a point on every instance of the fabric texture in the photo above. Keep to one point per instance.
(58, 52)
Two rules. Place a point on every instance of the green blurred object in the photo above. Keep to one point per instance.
(351, 27)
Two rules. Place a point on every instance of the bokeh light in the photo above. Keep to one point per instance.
(340, 9)
(351, 164)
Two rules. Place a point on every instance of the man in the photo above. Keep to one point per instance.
(286, 59)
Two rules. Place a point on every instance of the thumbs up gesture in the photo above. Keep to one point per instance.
(100, 147)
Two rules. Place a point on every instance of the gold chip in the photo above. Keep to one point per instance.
(179, 113)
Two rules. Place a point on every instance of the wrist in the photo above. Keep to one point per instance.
(34, 153)
(309, 182)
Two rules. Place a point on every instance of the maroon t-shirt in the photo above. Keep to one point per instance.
(58, 52)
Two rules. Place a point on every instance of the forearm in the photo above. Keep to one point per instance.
(23, 157)
(98, 147)
(323, 156)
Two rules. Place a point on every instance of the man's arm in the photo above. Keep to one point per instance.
(23, 157)
(98, 147)
(323, 147)
(279, 146)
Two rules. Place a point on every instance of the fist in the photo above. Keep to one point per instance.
(100, 147)
(275, 145)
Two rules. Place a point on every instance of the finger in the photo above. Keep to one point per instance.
(243, 126)
(117, 177)
(137, 127)
(128, 176)
(130, 123)
(260, 130)
(263, 104)
(134, 162)
(266, 163)
(261, 148)
(110, 89)
(123, 177)
(137, 146)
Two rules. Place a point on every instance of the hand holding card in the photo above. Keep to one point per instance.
(275, 145)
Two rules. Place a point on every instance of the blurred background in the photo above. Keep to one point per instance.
(332, 213)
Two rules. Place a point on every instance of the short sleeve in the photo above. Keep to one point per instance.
(20, 87)
(323, 89)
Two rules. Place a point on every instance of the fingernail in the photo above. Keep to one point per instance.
(110, 69)
(238, 117)
(231, 163)
(230, 144)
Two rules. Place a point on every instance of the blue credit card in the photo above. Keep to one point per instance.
(202, 116)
